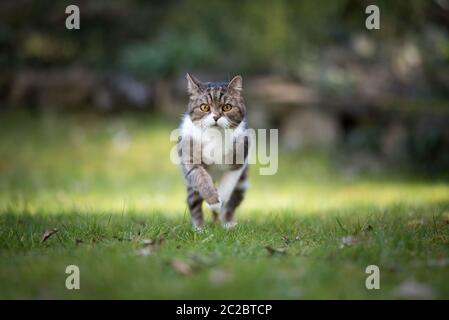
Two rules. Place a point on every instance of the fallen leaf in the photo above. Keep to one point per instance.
(354, 239)
(201, 260)
(143, 251)
(148, 242)
(349, 241)
(153, 243)
(48, 233)
(148, 245)
(415, 223)
(414, 290)
(286, 240)
(219, 277)
(273, 251)
(181, 267)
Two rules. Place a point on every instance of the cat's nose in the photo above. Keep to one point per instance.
(216, 117)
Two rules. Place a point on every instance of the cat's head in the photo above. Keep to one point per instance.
(216, 104)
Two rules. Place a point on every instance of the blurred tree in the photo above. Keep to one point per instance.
(160, 37)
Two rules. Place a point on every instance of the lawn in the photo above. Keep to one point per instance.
(108, 187)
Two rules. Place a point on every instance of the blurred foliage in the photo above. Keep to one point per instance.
(158, 38)
(167, 55)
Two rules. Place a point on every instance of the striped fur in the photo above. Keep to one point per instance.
(221, 185)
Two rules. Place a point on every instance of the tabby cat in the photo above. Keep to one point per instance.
(214, 165)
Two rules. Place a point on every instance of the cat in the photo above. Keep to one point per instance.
(214, 107)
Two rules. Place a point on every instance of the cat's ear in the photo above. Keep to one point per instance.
(194, 86)
(236, 83)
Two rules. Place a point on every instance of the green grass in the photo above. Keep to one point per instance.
(107, 184)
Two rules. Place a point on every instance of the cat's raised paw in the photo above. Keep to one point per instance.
(197, 225)
(216, 207)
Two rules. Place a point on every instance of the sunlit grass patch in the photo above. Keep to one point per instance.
(107, 185)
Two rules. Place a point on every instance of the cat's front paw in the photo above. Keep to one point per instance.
(216, 207)
(198, 229)
(197, 224)
(229, 225)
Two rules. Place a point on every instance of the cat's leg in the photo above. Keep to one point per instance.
(228, 183)
(195, 202)
(232, 189)
(200, 186)
(196, 175)
(215, 216)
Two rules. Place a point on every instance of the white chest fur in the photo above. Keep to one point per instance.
(217, 144)
(217, 147)
(217, 152)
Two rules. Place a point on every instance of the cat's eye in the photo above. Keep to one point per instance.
(226, 107)
(205, 107)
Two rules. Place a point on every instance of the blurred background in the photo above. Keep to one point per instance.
(85, 123)
(309, 69)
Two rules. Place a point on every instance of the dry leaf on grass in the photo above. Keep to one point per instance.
(349, 241)
(181, 267)
(48, 233)
(148, 245)
(287, 240)
(219, 277)
(352, 240)
(152, 243)
(201, 261)
(414, 290)
(275, 251)
(415, 223)
(143, 251)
